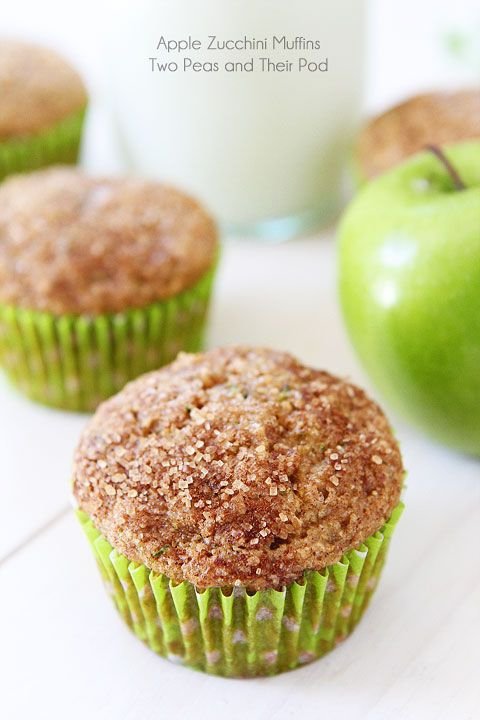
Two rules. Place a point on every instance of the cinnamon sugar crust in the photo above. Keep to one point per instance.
(433, 118)
(70, 243)
(37, 89)
(238, 466)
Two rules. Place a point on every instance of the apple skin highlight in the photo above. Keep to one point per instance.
(409, 280)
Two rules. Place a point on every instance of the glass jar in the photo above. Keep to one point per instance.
(262, 140)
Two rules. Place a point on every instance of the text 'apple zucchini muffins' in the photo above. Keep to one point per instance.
(100, 280)
(42, 108)
(240, 506)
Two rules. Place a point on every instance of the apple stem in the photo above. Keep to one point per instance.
(438, 152)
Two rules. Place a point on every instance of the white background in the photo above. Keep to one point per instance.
(63, 652)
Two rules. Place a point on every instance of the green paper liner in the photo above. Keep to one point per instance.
(235, 633)
(59, 144)
(76, 361)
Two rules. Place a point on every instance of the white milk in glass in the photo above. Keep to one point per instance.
(263, 148)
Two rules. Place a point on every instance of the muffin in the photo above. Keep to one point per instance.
(42, 108)
(101, 279)
(430, 119)
(240, 507)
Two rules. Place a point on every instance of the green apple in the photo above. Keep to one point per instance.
(409, 269)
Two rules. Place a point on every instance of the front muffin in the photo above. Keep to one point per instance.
(42, 107)
(101, 279)
(240, 506)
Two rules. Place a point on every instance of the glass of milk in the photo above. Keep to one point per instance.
(250, 105)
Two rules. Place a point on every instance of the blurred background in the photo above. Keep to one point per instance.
(413, 45)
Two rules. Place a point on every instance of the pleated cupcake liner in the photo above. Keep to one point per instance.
(74, 362)
(236, 633)
(59, 144)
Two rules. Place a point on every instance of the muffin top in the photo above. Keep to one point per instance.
(238, 466)
(434, 118)
(37, 88)
(70, 243)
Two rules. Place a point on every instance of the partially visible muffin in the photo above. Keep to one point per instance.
(431, 119)
(37, 89)
(42, 104)
(238, 468)
(72, 243)
(95, 250)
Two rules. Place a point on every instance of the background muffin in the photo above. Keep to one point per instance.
(100, 280)
(42, 107)
(244, 470)
(430, 119)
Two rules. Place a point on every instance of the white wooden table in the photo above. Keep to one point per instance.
(65, 654)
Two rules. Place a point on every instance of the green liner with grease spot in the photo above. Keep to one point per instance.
(58, 144)
(236, 633)
(74, 362)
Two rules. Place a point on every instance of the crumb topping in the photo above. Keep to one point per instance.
(434, 118)
(238, 466)
(37, 88)
(70, 243)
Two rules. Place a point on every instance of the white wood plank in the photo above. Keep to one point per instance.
(35, 465)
